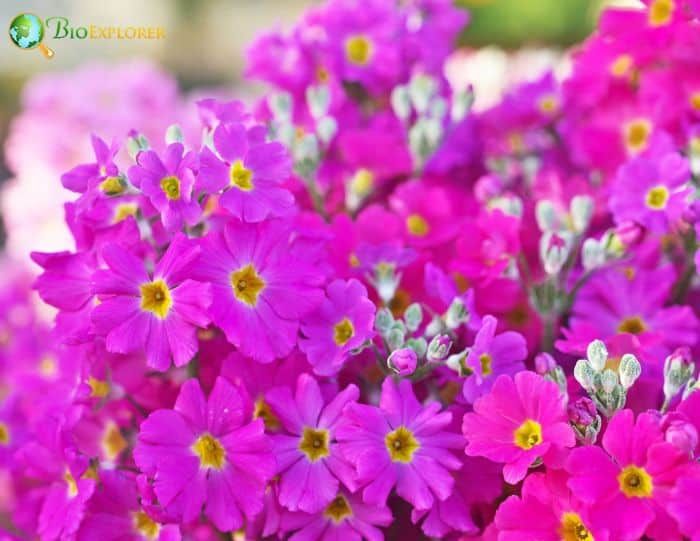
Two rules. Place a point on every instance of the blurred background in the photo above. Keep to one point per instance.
(205, 48)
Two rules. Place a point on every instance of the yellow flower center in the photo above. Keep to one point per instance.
(338, 510)
(548, 104)
(657, 197)
(401, 445)
(145, 525)
(573, 529)
(485, 360)
(322, 74)
(99, 388)
(112, 186)
(4, 434)
(247, 284)
(113, 443)
(362, 182)
(155, 298)
(632, 325)
(171, 187)
(343, 332)
(47, 367)
(358, 49)
(621, 65)
(241, 177)
(528, 434)
(262, 411)
(210, 452)
(637, 134)
(354, 260)
(123, 210)
(660, 12)
(72, 485)
(695, 100)
(417, 225)
(314, 443)
(635, 482)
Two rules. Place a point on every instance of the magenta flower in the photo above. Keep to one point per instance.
(521, 420)
(342, 322)
(249, 170)
(630, 481)
(114, 513)
(308, 460)
(683, 505)
(490, 356)
(99, 175)
(652, 191)
(402, 444)
(203, 456)
(260, 287)
(346, 517)
(548, 511)
(158, 311)
(168, 182)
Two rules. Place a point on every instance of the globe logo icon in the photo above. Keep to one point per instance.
(27, 32)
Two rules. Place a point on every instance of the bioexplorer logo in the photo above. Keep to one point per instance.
(27, 31)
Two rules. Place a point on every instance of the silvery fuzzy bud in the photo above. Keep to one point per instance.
(439, 348)
(456, 362)
(581, 209)
(629, 370)
(510, 204)
(690, 388)
(403, 361)
(436, 326)
(544, 363)
(326, 128)
(585, 420)
(546, 215)
(679, 432)
(419, 345)
(421, 89)
(608, 381)
(135, 144)
(554, 251)
(307, 148)
(280, 104)
(678, 369)
(462, 102)
(592, 254)
(383, 321)
(401, 102)
(385, 281)
(318, 99)
(438, 108)
(457, 314)
(584, 374)
(413, 316)
(597, 355)
(173, 134)
(396, 337)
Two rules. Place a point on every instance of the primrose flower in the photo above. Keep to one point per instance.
(308, 460)
(157, 312)
(260, 286)
(521, 420)
(204, 456)
(168, 183)
(400, 444)
(341, 323)
(103, 175)
(249, 170)
(629, 480)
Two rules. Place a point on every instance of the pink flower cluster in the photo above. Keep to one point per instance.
(361, 310)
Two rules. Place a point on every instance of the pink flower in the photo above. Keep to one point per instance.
(520, 420)
(400, 444)
(341, 323)
(308, 460)
(204, 456)
(630, 479)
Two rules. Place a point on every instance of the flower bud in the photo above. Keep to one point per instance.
(413, 316)
(173, 134)
(318, 98)
(581, 209)
(629, 370)
(584, 374)
(692, 212)
(403, 361)
(487, 187)
(457, 313)
(546, 215)
(383, 321)
(592, 254)
(608, 381)
(679, 432)
(554, 251)
(629, 233)
(439, 348)
(544, 363)
(326, 128)
(584, 419)
(401, 102)
(678, 369)
(597, 355)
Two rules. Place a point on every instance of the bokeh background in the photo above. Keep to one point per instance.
(507, 41)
